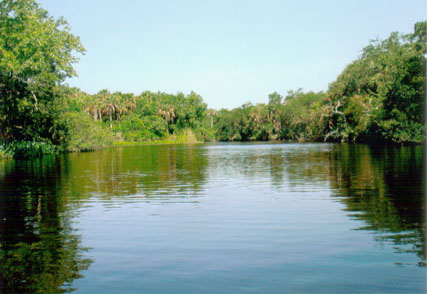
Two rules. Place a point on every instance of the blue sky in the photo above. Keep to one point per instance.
(228, 51)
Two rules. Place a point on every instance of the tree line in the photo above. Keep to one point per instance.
(379, 97)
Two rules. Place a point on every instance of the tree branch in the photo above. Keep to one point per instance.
(326, 137)
(35, 99)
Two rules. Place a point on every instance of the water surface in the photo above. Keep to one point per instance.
(215, 218)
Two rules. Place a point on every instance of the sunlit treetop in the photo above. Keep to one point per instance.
(33, 45)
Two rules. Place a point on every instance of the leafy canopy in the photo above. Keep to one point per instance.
(33, 45)
(36, 53)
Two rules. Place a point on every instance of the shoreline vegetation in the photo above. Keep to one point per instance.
(378, 98)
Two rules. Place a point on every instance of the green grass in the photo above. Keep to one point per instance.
(157, 142)
(185, 137)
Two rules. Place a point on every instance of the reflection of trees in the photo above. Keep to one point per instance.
(286, 165)
(144, 171)
(384, 187)
(39, 253)
(306, 165)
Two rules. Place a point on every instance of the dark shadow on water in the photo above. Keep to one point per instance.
(39, 250)
(385, 187)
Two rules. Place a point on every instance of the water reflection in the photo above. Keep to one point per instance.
(40, 201)
(384, 187)
(270, 166)
(39, 252)
(149, 173)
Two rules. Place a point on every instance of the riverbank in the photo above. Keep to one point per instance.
(171, 140)
(29, 149)
(187, 137)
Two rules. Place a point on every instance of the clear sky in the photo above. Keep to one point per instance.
(228, 51)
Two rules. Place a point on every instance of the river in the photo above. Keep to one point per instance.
(216, 218)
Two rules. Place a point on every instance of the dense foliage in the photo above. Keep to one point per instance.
(125, 117)
(295, 117)
(36, 54)
(378, 97)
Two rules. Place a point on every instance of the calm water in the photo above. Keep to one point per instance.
(219, 218)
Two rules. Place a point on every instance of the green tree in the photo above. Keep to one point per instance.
(211, 113)
(136, 128)
(36, 53)
(380, 96)
(275, 113)
(227, 126)
(168, 113)
(301, 119)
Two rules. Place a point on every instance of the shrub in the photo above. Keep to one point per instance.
(83, 133)
(28, 149)
(135, 128)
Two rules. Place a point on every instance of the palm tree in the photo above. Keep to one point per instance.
(168, 113)
(126, 102)
(110, 105)
(211, 113)
(92, 106)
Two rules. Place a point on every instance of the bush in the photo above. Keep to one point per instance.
(28, 149)
(135, 128)
(83, 133)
